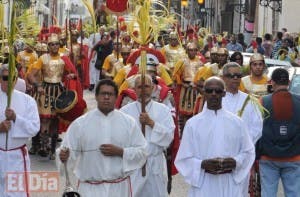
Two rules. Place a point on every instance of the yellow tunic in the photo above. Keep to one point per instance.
(185, 70)
(64, 51)
(26, 59)
(112, 64)
(256, 88)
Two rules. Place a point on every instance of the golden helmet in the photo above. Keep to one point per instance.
(256, 57)
(53, 38)
(191, 45)
(223, 51)
(203, 32)
(173, 35)
(214, 50)
(102, 28)
(126, 49)
(38, 46)
(44, 47)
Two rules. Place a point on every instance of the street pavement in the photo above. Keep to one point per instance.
(179, 189)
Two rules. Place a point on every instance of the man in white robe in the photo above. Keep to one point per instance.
(235, 99)
(105, 145)
(159, 133)
(216, 152)
(21, 122)
(241, 104)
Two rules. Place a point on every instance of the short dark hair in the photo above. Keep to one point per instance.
(268, 36)
(280, 76)
(234, 55)
(258, 40)
(112, 33)
(279, 35)
(108, 82)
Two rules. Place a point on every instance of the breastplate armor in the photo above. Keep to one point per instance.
(190, 69)
(173, 55)
(76, 52)
(52, 69)
(255, 89)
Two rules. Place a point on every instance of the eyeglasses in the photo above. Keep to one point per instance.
(4, 78)
(54, 43)
(211, 90)
(234, 75)
(195, 50)
(125, 53)
(109, 94)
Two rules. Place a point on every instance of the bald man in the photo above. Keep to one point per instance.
(216, 152)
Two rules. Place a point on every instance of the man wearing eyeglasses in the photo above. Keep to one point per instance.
(18, 122)
(241, 104)
(54, 70)
(216, 151)
(106, 145)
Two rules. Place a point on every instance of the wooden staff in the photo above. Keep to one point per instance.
(71, 45)
(81, 74)
(143, 99)
(66, 29)
(118, 36)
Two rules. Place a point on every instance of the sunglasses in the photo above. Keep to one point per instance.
(5, 78)
(211, 90)
(234, 75)
(53, 44)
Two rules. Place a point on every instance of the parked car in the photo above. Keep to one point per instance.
(294, 75)
(269, 62)
(295, 82)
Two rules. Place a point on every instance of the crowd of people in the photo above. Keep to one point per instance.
(198, 111)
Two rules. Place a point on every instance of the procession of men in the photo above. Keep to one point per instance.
(174, 100)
